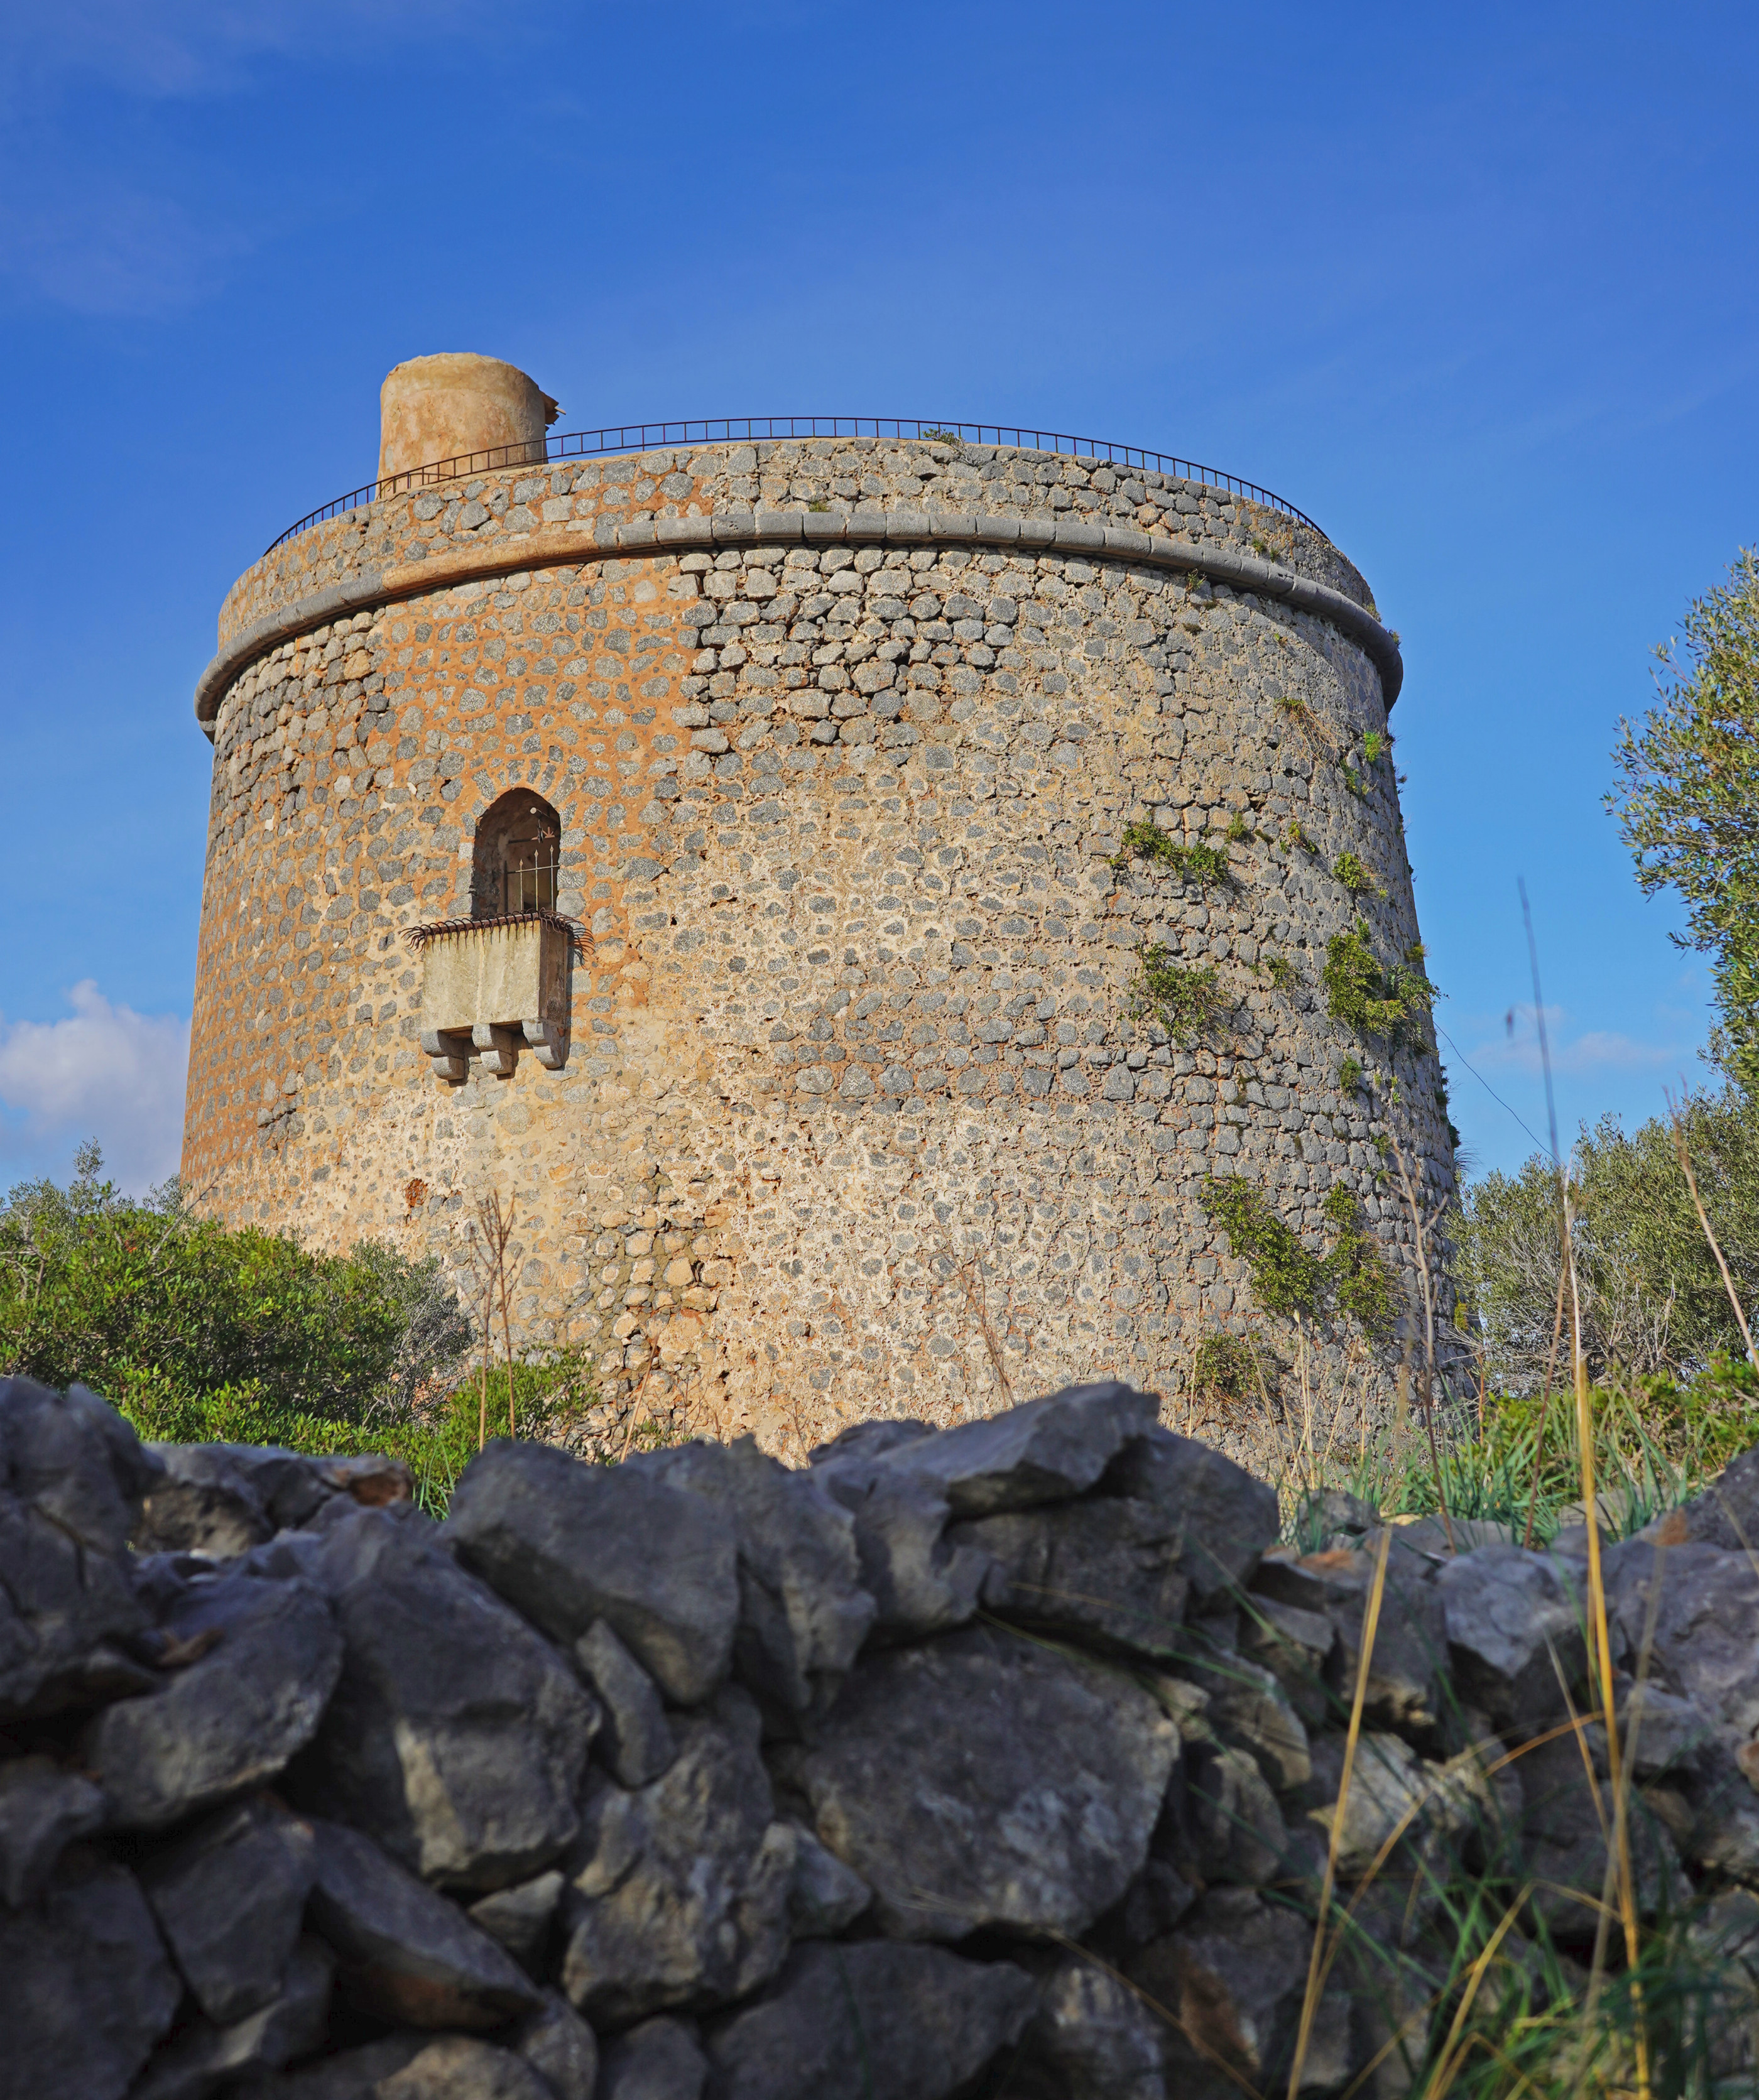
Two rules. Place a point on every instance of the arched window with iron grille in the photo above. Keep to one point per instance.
(517, 856)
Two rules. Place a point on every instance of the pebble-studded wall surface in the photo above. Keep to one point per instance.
(863, 1100)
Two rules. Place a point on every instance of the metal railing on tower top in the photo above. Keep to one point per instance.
(735, 430)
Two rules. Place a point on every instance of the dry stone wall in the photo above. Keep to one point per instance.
(861, 1101)
(1005, 1760)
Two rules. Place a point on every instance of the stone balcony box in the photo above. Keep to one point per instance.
(490, 987)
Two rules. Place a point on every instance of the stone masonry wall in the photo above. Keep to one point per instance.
(857, 1109)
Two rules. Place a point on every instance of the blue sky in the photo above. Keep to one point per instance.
(1474, 288)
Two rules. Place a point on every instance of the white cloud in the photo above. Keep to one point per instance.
(104, 1071)
(98, 247)
(90, 221)
(1598, 1050)
(180, 49)
(1577, 1056)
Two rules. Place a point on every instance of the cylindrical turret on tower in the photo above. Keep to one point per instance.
(455, 403)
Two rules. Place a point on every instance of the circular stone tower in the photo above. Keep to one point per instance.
(769, 864)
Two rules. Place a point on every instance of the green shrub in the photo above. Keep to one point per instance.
(1188, 1001)
(1230, 1367)
(1354, 873)
(1200, 864)
(1361, 1282)
(437, 1441)
(1287, 1278)
(200, 1334)
(97, 1287)
(1386, 1000)
(1652, 1297)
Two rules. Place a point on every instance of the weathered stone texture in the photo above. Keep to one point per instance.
(856, 1105)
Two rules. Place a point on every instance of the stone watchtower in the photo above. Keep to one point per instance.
(762, 852)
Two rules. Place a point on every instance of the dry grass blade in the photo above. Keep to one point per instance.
(1597, 1598)
(1316, 1964)
(1458, 2044)
(1429, 1331)
(1545, 1403)
(1691, 1183)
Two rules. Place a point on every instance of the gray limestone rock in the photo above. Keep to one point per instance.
(677, 1894)
(1322, 1513)
(206, 2057)
(229, 1898)
(561, 2047)
(1248, 1709)
(1718, 1826)
(265, 1657)
(919, 1581)
(1726, 1515)
(1226, 1517)
(1410, 1651)
(1564, 1845)
(1515, 1633)
(634, 1739)
(1425, 1810)
(406, 1953)
(1445, 1541)
(1661, 1732)
(1046, 1450)
(659, 2060)
(1095, 2033)
(1233, 1977)
(1154, 1903)
(868, 1440)
(982, 1779)
(803, 1612)
(349, 2074)
(825, 1897)
(88, 1987)
(72, 1472)
(221, 1499)
(457, 1734)
(870, 2018)
(73, 1456)
(372, 1479)
(406, 2066)
(520, 1917)
(1296, 1647)
(42, 1810)
(1237, 1833)
(1696, 1610)
(567, 1543)
(1106, 1569)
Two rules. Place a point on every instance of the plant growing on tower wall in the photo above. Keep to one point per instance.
(1387, 999)
(1287, 1278)
(1144, 839)
(1186, 999)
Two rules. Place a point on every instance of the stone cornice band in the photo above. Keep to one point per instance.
(550, 545)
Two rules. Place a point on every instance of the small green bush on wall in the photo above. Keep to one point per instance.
(1287, 1278)
(1187, 1000)
(1386, 1000)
